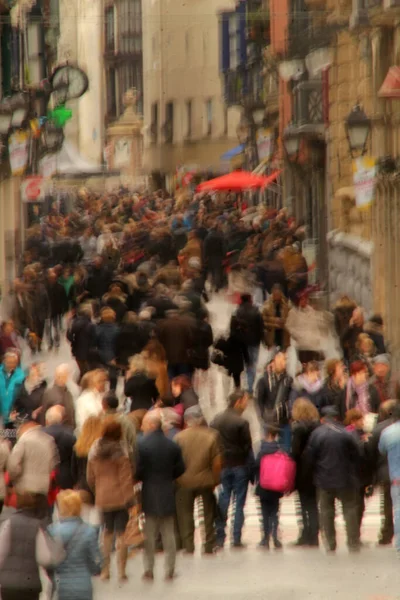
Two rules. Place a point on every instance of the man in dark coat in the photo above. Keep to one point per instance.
(176, 334)
(99, 279)
(58, 307)
(214, 254)
(82, 335)
(252, 325)
(65, 441)
(159, 464)
(334, 456)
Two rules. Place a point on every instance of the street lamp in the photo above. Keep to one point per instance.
(291, 142)
(52, 137)
(258, 116)
(358, 127)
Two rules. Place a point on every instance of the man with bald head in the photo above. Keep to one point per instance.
(64, 440)
(60, 395)
(159, 464)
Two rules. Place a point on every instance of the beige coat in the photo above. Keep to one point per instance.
(32, 461)
(271, 322)
(201, 451)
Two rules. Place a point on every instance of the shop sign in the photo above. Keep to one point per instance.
(18, 149)
(33, 189)
(265, 143)
(364, 179)
(48, 166)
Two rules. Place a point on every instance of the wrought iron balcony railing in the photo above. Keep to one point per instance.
(308, 103)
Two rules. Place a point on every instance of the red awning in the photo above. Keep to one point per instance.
(237, 181)
(391, 85)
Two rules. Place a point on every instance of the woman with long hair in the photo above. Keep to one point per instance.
(140, 389)
(305, 418)
(110, 477)
(156, 365)
(334, 390)
(91, 431)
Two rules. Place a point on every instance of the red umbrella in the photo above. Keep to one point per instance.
(235, 181)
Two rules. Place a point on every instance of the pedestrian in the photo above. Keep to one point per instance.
(90, 401)
(349, 334)
(183, 392)
(59, 395)
(80, 541)
(358, 392)
(238, 466)
(140, 389)
(374, 328)
(4, 455)
(274, 314)
(24, 547)
(269, 499)
(382, 386)
(58, 302)
(251, 325)
(176, 333)
(110, 478)
(11, 380)
(8, 338)
(156, 365)
(333, 455)
(380, 466)
(64, 440)
(110, 405)
(29, 399)
(32, 463)
(233, 351)
(334, 390)
(272, 396)
(305, 419)
(309, 385)
(82, 335)
(202, 458)
(365, 351)
(389, 445)
(159, 465)
(106, 339)
(91, 431)
(214, 254)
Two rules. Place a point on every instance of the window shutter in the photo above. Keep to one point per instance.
(242, 37)
(224, 42)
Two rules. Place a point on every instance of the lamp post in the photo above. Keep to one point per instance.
(358, 128)
(291, 142)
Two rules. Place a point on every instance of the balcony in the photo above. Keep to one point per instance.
(308, 111)
(245, 86)
(308, 33)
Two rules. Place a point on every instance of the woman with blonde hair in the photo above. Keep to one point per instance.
(305, 419)
(80, 541)
(365, 351)
(91, 431)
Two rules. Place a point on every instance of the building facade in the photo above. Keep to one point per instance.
(186, 121)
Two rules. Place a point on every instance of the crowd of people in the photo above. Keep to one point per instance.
(127, 279)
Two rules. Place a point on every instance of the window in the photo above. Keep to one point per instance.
(129, 26)
(209, 116)
(169, 123)
(189, 108)
(154, 123)
(233, 42)
(130, 76)
(110, 29)
(111, 93)
(226, 121)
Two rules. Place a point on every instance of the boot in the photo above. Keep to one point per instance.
(122, 557)
(107, 548)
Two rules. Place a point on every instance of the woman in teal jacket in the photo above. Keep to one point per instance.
(11, 379)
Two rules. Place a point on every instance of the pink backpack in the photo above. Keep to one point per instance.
(277, 472)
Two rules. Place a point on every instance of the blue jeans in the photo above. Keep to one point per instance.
(285, 437)
(395, 493)
(234, 480)
(251, 366)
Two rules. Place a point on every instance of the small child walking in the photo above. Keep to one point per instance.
(269, 499)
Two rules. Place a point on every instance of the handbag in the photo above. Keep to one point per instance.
(277, 473)
(218, 358)
(133, 535)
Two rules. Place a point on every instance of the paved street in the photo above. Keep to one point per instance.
(240, 575)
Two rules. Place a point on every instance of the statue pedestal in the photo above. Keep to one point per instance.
(124, 147)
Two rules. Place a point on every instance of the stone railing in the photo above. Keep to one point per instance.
(350, 268)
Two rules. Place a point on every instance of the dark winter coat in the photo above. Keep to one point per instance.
(98, 282)
(106, 341)
(176, 334)
(142, 391)
(235, 352)
(65, 441)
(82, 335)
(128, 343)
(301, 431)
(78, 472)
(202, 340)
(333, 455)
(26, 403)
(378, 461)
(234, 431)
(335, 396)
(302, 388)
(57, 299)
(251, 324)
(188, 398)
(272, 396)
(161, 305)
(159, 464)
(214, 247)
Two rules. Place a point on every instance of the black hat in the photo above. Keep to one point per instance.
(329, 412)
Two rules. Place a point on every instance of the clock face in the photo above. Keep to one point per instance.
(72, 79)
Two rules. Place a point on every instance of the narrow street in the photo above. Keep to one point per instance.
(253, 573)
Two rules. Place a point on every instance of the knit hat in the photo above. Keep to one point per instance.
(382, 359)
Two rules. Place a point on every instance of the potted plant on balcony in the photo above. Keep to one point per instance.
(258, 24)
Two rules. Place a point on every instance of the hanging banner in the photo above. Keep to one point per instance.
(265, 143)
(48, 165)
(18, 149)
(364, 179)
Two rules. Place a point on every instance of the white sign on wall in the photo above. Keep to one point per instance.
(265, 143)
(364, 179)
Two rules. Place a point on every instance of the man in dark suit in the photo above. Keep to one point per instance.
(159, 464)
